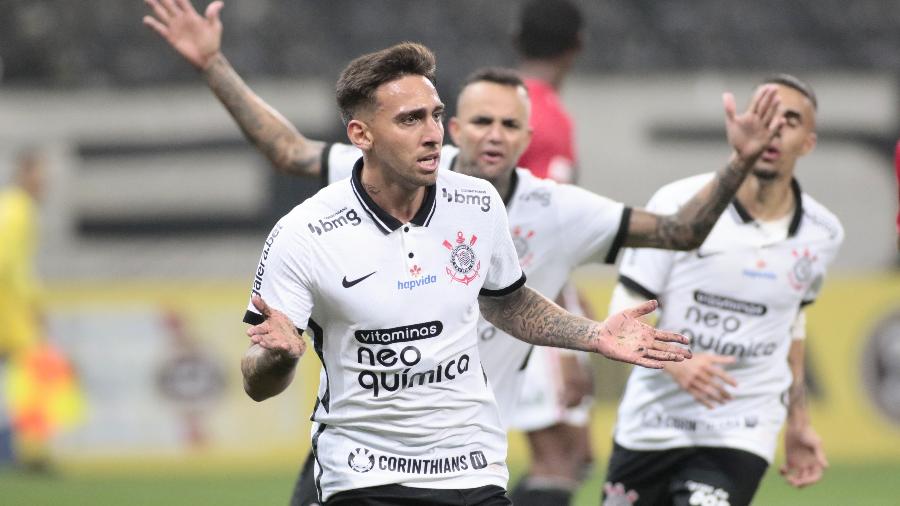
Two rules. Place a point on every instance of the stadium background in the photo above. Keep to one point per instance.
(158, 208)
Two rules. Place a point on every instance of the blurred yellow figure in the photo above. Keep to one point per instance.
(20, 321)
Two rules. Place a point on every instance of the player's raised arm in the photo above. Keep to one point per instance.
(749, 134)
(268, 365)
(531, 317)
(198, 40)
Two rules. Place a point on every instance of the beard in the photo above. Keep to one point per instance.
(765, 175)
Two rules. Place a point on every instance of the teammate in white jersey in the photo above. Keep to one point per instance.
(706, 432)
(492, 132)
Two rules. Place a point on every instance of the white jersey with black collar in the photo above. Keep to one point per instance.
(737, 295)
(392, 309)
(555, 228)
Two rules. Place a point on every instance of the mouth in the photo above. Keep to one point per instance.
(770, 154)
(492, 156)
(430, 162)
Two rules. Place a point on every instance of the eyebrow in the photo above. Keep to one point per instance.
(792, 114)
(419, 112)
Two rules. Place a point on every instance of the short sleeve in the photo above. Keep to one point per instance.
(828, 254)
(646, 270)
(504, 274)
(282, 278)
(337, 162)
(602, 224)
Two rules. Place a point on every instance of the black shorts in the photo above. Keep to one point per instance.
(398, 495)
(682, 476)
(304, 494)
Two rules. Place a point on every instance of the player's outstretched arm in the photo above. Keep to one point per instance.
(533, 318)
(749, 134)
(805, 460)
(198, 40)
(268, 365)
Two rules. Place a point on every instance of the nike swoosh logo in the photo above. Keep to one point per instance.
(701, 254)
(348, 284)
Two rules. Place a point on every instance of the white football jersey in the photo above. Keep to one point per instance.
(392, 309)
(555, 227)
(737, 295)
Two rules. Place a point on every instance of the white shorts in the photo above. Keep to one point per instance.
(541, 400)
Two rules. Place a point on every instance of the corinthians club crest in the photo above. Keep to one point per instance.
(802, 271)
(361, 460)
(464, 265)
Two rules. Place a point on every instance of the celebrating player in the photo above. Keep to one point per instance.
(705, 432)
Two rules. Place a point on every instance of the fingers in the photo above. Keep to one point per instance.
(667, 356)
(170, 6)
(722, 375)
(213, 10)
(648, 363)
(671, 348)
(641, 310)
(261, 306)
(161, 13)
(185, 6)
(730, 107)
(156, 26)
(672, 337)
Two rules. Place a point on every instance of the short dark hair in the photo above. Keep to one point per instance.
(497, 75)
(548, 28)
(357, 84)
(796, 83)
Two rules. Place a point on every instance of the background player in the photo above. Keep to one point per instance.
(705, 433)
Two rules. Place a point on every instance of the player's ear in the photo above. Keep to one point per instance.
(809, 143)
(453, 127)
(359, 134)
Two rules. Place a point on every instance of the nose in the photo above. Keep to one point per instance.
(434, 132)
(495, 133)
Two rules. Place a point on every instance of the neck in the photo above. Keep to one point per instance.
(500, 183)
(551, 71)
(767, 199)
(398, 198)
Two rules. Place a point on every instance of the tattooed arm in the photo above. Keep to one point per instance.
(805, 460)
(269, 364)
(531, 317)
(749, 134)
(198, 40)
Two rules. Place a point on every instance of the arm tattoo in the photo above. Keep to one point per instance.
(531, 317)
(688, 228)
(797, 396)
(268, 130)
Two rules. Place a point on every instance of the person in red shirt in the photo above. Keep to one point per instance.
(548, 39)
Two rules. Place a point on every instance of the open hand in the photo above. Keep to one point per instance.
(277, 333)
(196, 38)
(750, 132)
(704, 378)
(626, 338)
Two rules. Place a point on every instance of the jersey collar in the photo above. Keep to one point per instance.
(746, 217)
(383, 220)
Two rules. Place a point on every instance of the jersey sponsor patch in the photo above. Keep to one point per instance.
(382, 382)
(363, 460)
(263, 260)
(468, 196)
(402, 334)
(335, 221)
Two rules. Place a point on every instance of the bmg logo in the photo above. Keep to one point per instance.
(336, 221)
(484, 201)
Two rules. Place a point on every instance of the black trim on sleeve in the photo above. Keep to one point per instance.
(798, 208)
(619, 240)
(324, 168)
(634, 286)
(252, 318)
(504, 291)
(804, 303)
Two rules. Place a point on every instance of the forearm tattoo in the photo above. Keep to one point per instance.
(531, 317)
(797, 396)
(264, 127)
(688, 228)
